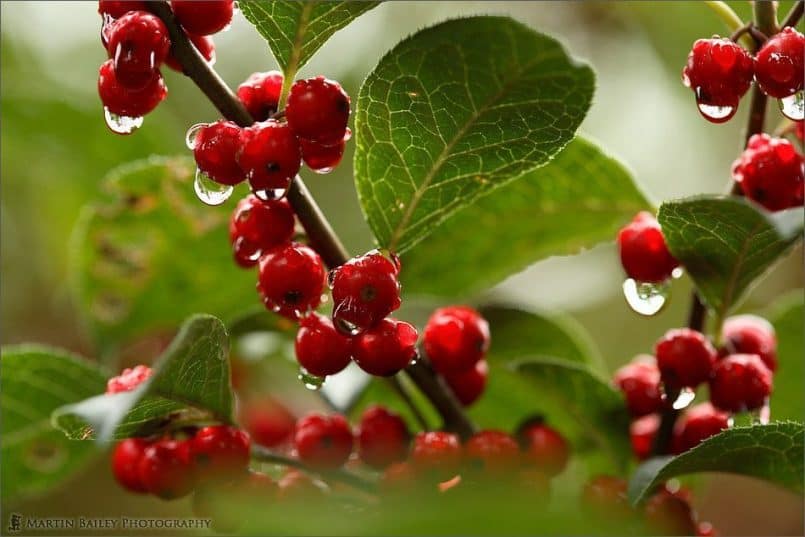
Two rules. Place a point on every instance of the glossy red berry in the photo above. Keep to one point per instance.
(698, 423)
(257, 225)
(740, 382)
(770, 172)
(118, 8)
(205, 46)
(215, 147)
(123, 101)
(138, 44)
(269, 423)
(166, 469)
(668, 514)
(260, 94)
(322, 158)
(492, 452)
(780, 62)
(543, 447)
(644, 254)
(126, 463)
(324, 442)
(640, 383)
(129, 379)
(468, 385)
(219, 451)
(750, 334)
(455, 338)
(291, 279)
(386, 348)
(270, 155)
(383, 437)
(318, 110)
(203, 17)
(436, 454)
(685, 358)
(642, 433)
(320, 348)
(365, 290)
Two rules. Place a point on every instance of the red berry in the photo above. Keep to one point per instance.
(770, 172)
(258, 225)
(320, 348)
(385, 349)
(740, 382)
(750, 334)
(607, 495)
(436, 454)
(122, 101)
(260, 94)
(668, 514)
(205, 46)
(644, 254)
(118, 8)
(291, 279)
(138, 43)
(642, 433)
(324, 442)
(544, 447)
(323, 158)
(780, 62)
(318, 110)
(685, 358)
(215, 147)
(492, 452)
(456, 338)
(203, 17)
(468, 385)
(126, 463)
(640, 383)
(220, 450)
(270, 155)
(166, 469)
(383, 437)
(129, 379)
(365, 290)
(698, 423)
(269, 423)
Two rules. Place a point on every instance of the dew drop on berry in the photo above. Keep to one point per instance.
(270, 193)
(763, 414)
(311, 382)
(344, 326)
(121, 124)
(685, 398)
(677, 273)
(192, 132)
(323, 171)
(645, 298)
(210, 192)
(714, 113)
(793, 106)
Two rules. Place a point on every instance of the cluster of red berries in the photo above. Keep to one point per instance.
(130, 83)
(771, 172)
(738, 374)
(644, 254)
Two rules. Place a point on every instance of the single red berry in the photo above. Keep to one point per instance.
(365, 291)
(770, 172)
(324, 442)
(685, 358)
(260, 94)
(698, 423)
(383, 437)
(122, 101)
(385, 349)
(118, 8)
(468, 385)
(780, 62)
(126, 463)
(269, 423)
(320, 348)
(258, 225)
(215, 147)
(129, 379)
(436, 454)
(323, 158)
(492, 452)
(455, 338)
(668, 514)
(269, 155)
(544, 447)
(644, 254)
(750, 334)
(640, 383)
(642, 433)
(291, 279)
(138, 43)
(166, 469)
(205, 46)
(203, 17)
(607, 495)
(318, 110)
(297, 486)
(220, 450)
(740, 382)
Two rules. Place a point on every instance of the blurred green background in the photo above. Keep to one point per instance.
(56, 148)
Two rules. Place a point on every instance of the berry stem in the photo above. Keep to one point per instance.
(402, 392)
(731, 19)
(794, 15)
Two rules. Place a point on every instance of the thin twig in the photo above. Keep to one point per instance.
(400, 390)
(794, 15)
(442, 397)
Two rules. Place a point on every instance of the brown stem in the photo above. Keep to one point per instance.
(403, 394)
(442, 398)
(794, 15)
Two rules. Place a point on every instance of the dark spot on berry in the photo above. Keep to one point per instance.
(342, 106)
(368, 293)
(326, 442)
(203, 459)
(292, 297)
(758, 194)
(273, 167)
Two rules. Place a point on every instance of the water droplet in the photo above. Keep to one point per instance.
(716, 114)
(686, 397)
(210, 192)
(793, 106)
(323, 171)
(246, 251)
(192, 132)
(121, 124)
(270, 193)
(645, 298)
(311, 382)
(763, 414)
(677, 273)
(345, 327)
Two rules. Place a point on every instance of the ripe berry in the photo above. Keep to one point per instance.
(468, 385)
(668, 514)
(260, 94)
(123, 101)
(365, 290)
(220, 450)
(698, 423)
(770, 172)
(544, 447)
(455, 338)
(270, 155)
(780, 62)
(129, 379)
(318, 110)
(258, 225)
(383, 437)
(642, 433)
(436, 454)
(750, 334)
(324, 442)
(685, 358)
(166, 469)
(492, 451)
(323, 158)
(269, 423)
(640, 383)
(320, 348)
(205, 46)
(203, 17)
(291, 279)
(126, 463)
(740, 382)
(215, 147)
(644, 254)
(385, 349)
(118, 8)
(138, 44)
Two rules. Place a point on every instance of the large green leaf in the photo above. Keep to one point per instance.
(34, 381)
(788, 318)
(773, 452)
(457, 110)
(577, 200)
(726, 244)
(190, 382)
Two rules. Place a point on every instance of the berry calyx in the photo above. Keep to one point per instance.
(138, 43)
(456, 338)
(205, 46)
(269, 155)
(780, 62)
(640, 383)
(118, 8)
(468, 385)
(260, 94)
(698, 423)
(219, 451)
(166, 469)
(123, 101)
(386, 348)
(324, 442)
(323, 158)
(203, 17)
(215, 148)
(750, 334)
(383, 437)
(291, 279)
(126, 463)
(269, 423)
(740, 382)
(492, 452)
(543, 447)
(365, 290)
(644, 254)
(770, 173)
(668, 514)
(685, 358)
(318, 110)
(320, 348)
(436, 454)
(129, 379)
(258, 225)
(642, 433)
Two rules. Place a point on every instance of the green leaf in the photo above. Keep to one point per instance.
(577, 200)
(35, 381)
(726, 244)
(190, 383)
(457, 110)
(788, 317)
(772, 452)
(295, 30)
(148, 254)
